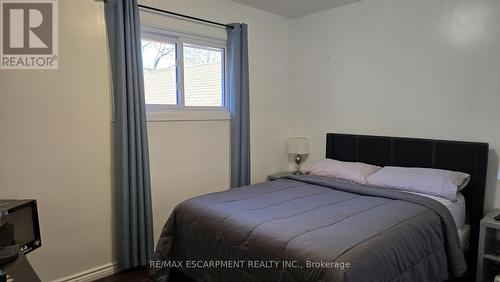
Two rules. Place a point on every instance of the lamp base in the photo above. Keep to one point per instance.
(298, 161)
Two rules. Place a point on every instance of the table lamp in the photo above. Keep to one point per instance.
(298, 146)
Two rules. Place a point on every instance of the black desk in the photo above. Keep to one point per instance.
(20, 270)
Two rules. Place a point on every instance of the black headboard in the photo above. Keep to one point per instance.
(469, 157)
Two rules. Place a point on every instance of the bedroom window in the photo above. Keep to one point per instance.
(183, 72)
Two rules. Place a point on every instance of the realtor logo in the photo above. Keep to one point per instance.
(28, 34)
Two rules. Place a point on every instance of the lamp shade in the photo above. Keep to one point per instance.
(298, 145)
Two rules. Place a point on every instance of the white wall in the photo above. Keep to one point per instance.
(56, 142)
(55, 145)
(404, 68)
(188, 158)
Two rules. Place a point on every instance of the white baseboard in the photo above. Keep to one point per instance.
(91, 274)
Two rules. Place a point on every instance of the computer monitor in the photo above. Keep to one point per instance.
(20, 217)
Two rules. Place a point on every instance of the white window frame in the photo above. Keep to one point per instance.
(155, 110)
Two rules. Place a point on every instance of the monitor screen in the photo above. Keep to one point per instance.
(22, 220)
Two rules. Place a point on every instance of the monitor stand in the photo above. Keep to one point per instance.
(8, 254)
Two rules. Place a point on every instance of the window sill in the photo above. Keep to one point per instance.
(187, 116)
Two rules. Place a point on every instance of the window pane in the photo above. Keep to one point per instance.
(160, 78)
(203, 76)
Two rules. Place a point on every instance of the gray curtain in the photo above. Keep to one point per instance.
(239, 104)
(133, 192)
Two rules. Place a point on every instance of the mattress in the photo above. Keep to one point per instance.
(464, 235)
(457, 209)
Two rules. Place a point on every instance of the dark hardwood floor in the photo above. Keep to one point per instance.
(141, 275)
(134, 275)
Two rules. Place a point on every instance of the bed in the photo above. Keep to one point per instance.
(309, 228)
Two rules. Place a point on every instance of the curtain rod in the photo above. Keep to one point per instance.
(183, 16)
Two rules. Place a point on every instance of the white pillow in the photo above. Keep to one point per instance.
(350, 171)
(436, 182)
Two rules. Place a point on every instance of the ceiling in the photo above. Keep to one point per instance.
(295, 8)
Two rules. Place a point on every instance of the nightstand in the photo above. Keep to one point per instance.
(280, 175)
(488, 257)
